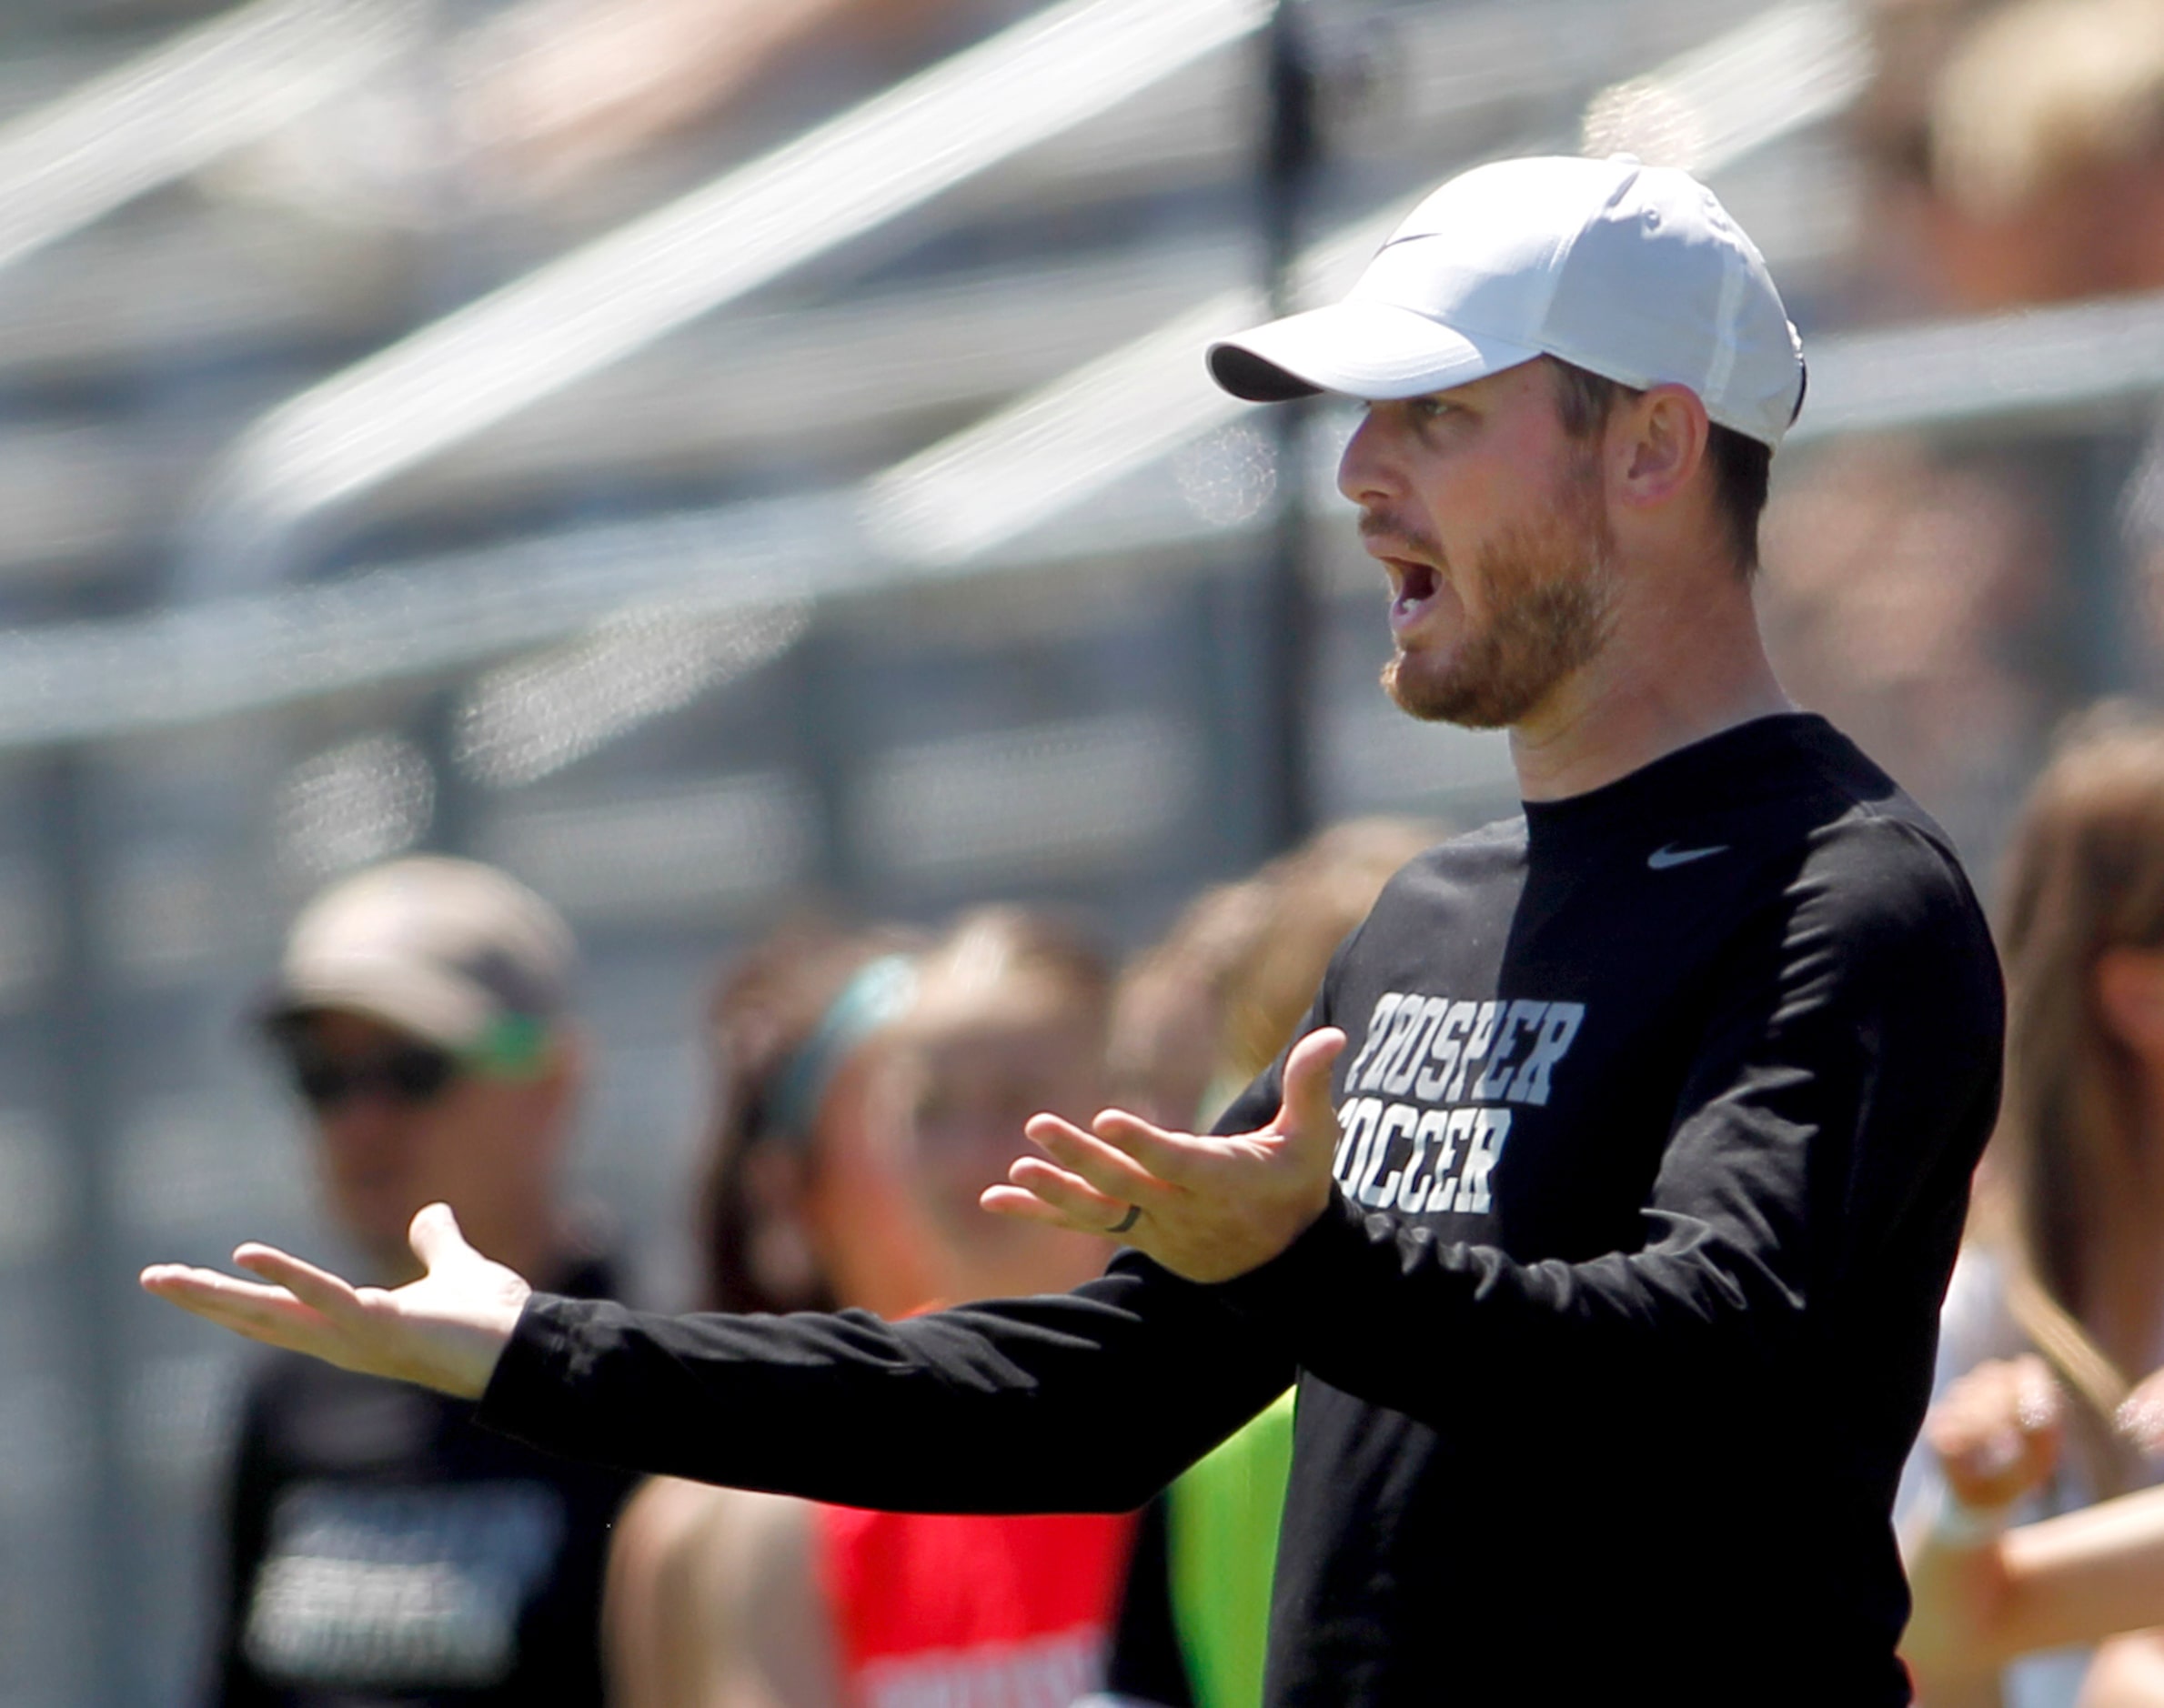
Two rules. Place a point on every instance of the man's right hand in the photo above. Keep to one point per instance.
(444, 1330)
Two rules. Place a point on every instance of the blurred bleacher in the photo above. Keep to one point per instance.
(357, 502)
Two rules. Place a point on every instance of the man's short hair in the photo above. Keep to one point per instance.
(1742, 466)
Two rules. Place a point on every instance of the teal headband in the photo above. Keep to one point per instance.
(880, 991)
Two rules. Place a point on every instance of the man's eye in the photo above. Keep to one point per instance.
(1431, 408)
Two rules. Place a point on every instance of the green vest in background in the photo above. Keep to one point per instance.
(1221, 1547)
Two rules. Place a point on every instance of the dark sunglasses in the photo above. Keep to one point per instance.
(410, 1075)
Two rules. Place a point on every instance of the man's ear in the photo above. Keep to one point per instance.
(1656, 444)
(2129, 985)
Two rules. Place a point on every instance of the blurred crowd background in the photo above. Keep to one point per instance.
(708, 456)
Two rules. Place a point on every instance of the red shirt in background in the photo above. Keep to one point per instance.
(966, 1611)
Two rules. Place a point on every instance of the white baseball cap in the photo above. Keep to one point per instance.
(1634, 272)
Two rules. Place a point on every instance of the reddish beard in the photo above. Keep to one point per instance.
(1546, 589)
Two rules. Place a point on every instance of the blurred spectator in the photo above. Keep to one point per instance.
(713, 1595)
(553, 88)
(1011, 1019)
(2050, 1392)
(1169, 1023)
(1200, 1016)
(2047, 154)
(546, 96)
(888, 1090)
(379, 1545)
(2015, 152)
(1210, 1007)
(1896, 271)
(1924, 598)
(1910, 597)
(798, 1207)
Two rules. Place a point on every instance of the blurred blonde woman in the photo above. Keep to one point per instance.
(899, 1097)
(2051, 1362)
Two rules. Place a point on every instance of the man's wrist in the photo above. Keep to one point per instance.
(1283, 1283)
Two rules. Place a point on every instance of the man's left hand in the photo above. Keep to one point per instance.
(1211, 1207)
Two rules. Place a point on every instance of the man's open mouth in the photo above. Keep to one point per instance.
(1417, 583)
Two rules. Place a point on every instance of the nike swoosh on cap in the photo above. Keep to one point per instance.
(1661, 859)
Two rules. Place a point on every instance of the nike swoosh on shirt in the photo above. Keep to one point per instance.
(1661, 859)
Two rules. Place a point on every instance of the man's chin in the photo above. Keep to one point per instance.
(1439, 698)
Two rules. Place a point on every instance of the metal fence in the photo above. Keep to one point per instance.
(901, 556)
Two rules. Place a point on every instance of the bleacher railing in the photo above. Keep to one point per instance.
(969, 505)
(171, 111)
(593, 307)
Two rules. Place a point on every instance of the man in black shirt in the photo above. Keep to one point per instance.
(1603, 1213)
(381, 1547)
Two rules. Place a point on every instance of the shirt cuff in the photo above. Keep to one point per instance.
(547, 1350)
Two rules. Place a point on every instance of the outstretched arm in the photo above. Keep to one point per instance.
(444, 1330)
(1067, 1403)
(1083, 1402)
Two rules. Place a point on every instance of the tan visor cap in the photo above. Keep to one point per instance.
(454, 952)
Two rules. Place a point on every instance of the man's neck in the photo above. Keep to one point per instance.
(1675, 670)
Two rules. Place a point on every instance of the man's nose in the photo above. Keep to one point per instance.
(1363, 473)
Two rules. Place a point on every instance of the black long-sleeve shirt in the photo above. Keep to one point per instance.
(1657, 1116)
